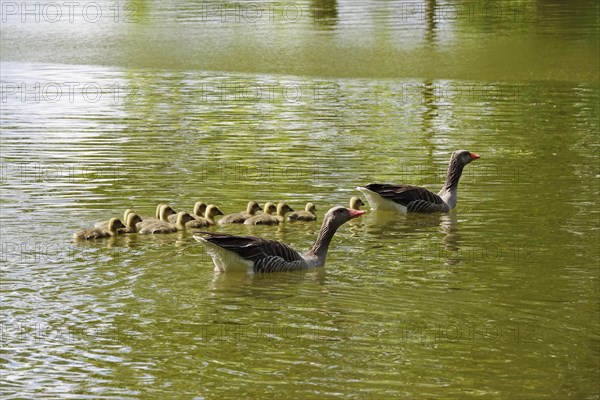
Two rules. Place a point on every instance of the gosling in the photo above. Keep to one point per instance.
(167, 227)
(309, 214)
(209, 218)
(104, 224)
(114, 224)
(267, 219)
(239, 218)
(356, 203)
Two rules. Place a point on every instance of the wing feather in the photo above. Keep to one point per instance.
(267, 255)
(406, 195)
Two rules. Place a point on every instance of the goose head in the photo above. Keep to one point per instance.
(463, 157)
(199, 208)
(270, 208)
(211, 212)
(355, 203)
(132, 220)
(114, 224)
(283, 208)
(252, 207)
(337, 216)
(165, 211)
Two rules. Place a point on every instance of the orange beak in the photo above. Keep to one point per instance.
(474, 156)
(355, 213)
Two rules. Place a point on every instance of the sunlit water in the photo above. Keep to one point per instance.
(498, 299)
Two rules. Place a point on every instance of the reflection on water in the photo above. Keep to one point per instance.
(496, 299)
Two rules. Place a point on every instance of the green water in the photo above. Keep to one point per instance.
(498, 299)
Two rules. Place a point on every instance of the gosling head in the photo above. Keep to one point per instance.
(183, 218)
(356, 203)
(165, 211)
(199, 208)
(311, 208)
(253, 207)
(114, 224)
(283, 208)
(212, 211)
(270, 208)
(127, 212)
(132, 219)
(158, 210)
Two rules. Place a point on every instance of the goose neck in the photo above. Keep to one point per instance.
(319, 249)
(455, 170)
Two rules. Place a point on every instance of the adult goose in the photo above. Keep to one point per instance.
(104, 224)
(209, 218)
(356, 203)
(239, 218)
(114, 224)
(308, 214)
(256, 255)
(268, 219)
(415, 199)
(167, 227)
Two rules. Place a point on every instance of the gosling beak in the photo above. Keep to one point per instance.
(474, 156)
(355, 213)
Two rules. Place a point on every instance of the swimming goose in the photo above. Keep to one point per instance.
(239, 218)
(104, 224)
(163, 210)
(268, 219)
(254, 255)
(415, 199)
(199, 210)
(356, 203)
(131, 225)
(209, 218)
(308, 214)
(167, 227)
(114, 224)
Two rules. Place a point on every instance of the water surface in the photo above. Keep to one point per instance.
(498, 299)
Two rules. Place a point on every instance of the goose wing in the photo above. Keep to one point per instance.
(267, 255)
(414, 198)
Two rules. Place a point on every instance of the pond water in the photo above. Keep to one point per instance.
(174, 102)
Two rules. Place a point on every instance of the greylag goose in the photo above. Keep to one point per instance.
(167, 227)
(415, 199)
(268, 219)
(356, 203)
(104, 224)
(114, 224)
(199, 210)
(308, 214)
(163, 210)
(255, 255)
(209, 218)
(131, 225)
(239, 218)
